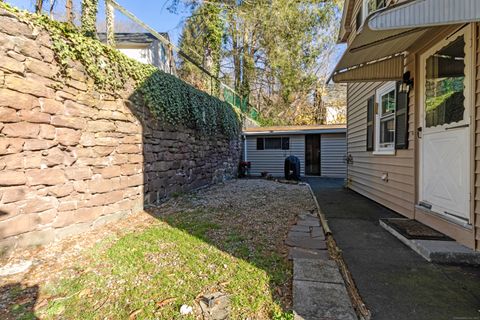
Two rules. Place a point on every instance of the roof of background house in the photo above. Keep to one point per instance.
(132, 37)
(310, 129)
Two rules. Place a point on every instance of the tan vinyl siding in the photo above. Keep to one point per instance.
(476, 114)
(366, 171)
(399, 193)
(333, 150)
(272, 161)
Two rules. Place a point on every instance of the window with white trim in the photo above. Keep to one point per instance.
(386, 99)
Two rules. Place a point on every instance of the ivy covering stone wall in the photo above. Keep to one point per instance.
(79, 148)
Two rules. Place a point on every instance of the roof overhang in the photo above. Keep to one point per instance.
(389, 33)
(291, 133)
(390, 68)
(426, 13)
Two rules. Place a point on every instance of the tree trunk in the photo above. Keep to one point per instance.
(52, 5)
(69, 10)
(38, 6)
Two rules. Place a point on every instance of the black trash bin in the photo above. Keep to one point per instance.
(292, 168)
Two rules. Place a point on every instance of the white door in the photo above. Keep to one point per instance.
(445, 137)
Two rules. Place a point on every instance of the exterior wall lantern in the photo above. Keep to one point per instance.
(407, 82)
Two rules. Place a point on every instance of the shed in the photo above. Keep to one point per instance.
(321, 149)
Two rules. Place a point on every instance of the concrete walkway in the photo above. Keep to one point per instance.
(394, 281)
(318, 289)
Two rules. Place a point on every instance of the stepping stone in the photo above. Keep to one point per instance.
(312, 243)
(300, 253)
(298, 228)
(305, 216)
(317, 232)
(316, 270)
(295, 235)
(319, 300)
(312, 222)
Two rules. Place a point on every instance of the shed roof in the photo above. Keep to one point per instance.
(291, 130)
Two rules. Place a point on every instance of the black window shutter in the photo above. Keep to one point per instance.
(260, 144)
(401, 119)
(370, 123)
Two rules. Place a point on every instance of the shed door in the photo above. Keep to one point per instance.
(312, 154)
(445, 139)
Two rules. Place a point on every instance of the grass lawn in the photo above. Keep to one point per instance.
(216, 240)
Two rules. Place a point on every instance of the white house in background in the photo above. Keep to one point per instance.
(145, 48)
(335, 103)
(321, 149)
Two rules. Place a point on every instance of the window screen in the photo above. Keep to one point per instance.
(273, 143)
(387, 119)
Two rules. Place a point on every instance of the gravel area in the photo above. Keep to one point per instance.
(264, 209)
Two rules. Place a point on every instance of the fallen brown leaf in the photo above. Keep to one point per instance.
(164, 302)
(133, 315)
(279, 291)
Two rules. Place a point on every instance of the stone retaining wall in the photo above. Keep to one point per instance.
(72, 158)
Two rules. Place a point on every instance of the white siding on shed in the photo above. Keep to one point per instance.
(333, 151)
(273, 161)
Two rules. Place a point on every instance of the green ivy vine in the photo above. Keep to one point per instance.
(169, 98)
(89, 17)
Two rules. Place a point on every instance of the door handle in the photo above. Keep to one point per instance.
(458, 127)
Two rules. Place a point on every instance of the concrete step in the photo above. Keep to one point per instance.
(438, 251)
